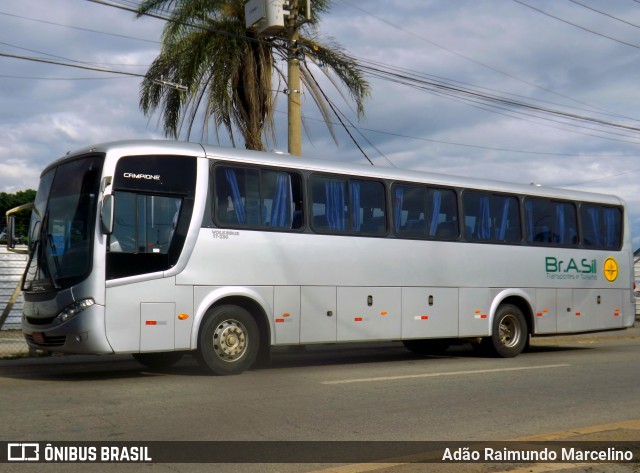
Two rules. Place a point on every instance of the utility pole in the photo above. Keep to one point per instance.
(267, 18)
(293, 89)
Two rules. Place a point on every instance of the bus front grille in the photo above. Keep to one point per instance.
(40, 321)
(49, 341)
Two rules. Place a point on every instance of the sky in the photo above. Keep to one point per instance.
(571, 65)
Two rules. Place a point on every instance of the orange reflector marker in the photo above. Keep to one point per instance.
(183, 316)
(279, 321)
(151, 322)
(286, 314)
(384, 312)
(578, 314)
(358, 319)
(539, 314)
(421, 317)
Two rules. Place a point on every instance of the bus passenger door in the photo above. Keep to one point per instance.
(318, 315)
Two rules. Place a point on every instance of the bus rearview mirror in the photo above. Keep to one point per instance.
(107, 214)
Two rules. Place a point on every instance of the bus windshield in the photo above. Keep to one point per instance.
(62, 223)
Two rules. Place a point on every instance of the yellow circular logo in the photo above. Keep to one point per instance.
(610, 269)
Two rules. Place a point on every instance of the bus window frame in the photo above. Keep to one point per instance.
(213, 205)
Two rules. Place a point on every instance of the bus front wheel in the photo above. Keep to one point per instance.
(509, 333)
(228, 341)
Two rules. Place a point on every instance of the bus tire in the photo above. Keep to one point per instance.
(509, 333)
(158, 361)
(228, 341)
(436, 346)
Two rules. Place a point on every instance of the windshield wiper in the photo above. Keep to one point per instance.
(54, 255)
(39, 252)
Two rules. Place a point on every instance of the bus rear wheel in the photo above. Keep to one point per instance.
(509, 335)
(229, 340)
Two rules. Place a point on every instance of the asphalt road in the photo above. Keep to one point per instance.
(569, 388)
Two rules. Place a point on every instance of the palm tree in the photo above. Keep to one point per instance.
(228, 71)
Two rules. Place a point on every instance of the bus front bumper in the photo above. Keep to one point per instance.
(83, 334)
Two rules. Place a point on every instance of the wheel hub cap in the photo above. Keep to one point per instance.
(230, 340)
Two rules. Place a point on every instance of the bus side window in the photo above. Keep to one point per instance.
(551, 223)
(409, 210)
(329, 204)
(601, 226)
(491, 218)
(367, 204)
(258, 198)
(442, 222)
(538, 220)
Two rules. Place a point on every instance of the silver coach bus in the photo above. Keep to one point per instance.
(162, 248)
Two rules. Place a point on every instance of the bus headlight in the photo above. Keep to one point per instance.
(75, 308)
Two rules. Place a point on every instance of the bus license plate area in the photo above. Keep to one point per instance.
(38, 337)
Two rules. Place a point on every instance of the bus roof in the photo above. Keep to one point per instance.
(137, 147)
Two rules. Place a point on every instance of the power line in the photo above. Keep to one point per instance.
(79, 28)
(438, 88)
(470, 58)
(77, 66)
(183, 23)
(467, 145)
(576, 25)
(6, 76)
(604, 178)
(66, 58)
(605, 14)
(333, 108)
(470, 93)
(431, 84)
(475, 86)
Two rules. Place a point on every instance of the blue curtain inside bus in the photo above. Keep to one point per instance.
(236, 197)
(335, 204)
(281, 206)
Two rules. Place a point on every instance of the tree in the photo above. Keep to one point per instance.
(10, 201)
(228, 71)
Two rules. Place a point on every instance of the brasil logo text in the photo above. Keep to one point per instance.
(571, 269)
(584, 268)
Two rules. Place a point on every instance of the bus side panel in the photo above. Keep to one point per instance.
(318, 314)
(286, 314)
(429, 312)
(546, 311)
(131, 316)
(566, 319)
(157, 326)
(474, 315)
(369, 313)
(598, 308)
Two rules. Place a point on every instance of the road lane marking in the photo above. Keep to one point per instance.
(446, 373)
